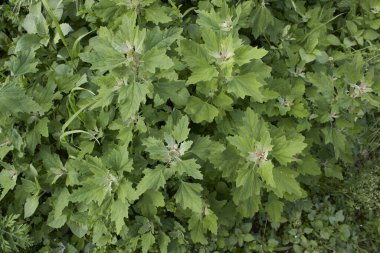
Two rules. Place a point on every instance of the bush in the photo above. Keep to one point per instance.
(177, 126)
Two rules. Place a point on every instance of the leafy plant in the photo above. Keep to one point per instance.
(176, 126)
(13, 236)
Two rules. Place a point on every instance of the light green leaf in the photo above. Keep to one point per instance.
(89, 192)
(199, 225)
(28, 42)
(200, 111)
(156, 149)
(157, 13)
(245, 54)
(61, 202)
(103, 55)
(175, 91)
(104, 97)
(188, 167)
(162, 38)
(23, 63)
(198, 61)
(189, 196)
(119, 211)
(8, 178)
(210, 221)
(337, 139)
(34, 22)
(33, 138)
(149, 202)
(285, 150)
(285, 181)
(156, 58)
(147, 241)
(181, 129)
(130, 99)
(13, 100)
(30, 206)
(247, 184)
(246, 85)
(261, 19)
(126, 192)
(204, 147)
(274, 208)
(266, 173)
(163, 242)
(196, 230)
(153, 179)
(78, 224)
(65, 28)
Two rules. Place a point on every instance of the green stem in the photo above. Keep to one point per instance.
(57, 26)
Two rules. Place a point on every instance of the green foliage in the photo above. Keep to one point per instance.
(186, 126)
(13, 235)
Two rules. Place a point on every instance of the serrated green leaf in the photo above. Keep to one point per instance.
(156, 58)
(103, 55)
(157, 14)
(266, 173)
(245, 54)
(181, 129)
(119, 211)
(246, 85)
(285, 150)
(200, 225)
(156, 149)
(13, 100)
(261, 19)
(130, 99)
(23, 63)
(33, 138)
(147, 241)
(163, 242)
(247, 183)
(198, 61)
(337, 139)
(285, 181)
(200, 111)
(61, 202)
(149, 202)
(204, 147)
(310, 166)
(188, 196)
(189, 168)
(8, 178)
(153, 179)
(274, 208)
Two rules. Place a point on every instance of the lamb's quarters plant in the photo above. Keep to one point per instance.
(184, 126)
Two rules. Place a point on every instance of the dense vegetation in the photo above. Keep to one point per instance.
(189, 126)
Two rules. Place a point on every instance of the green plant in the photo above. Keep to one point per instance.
(176, 126)
(13, 236)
